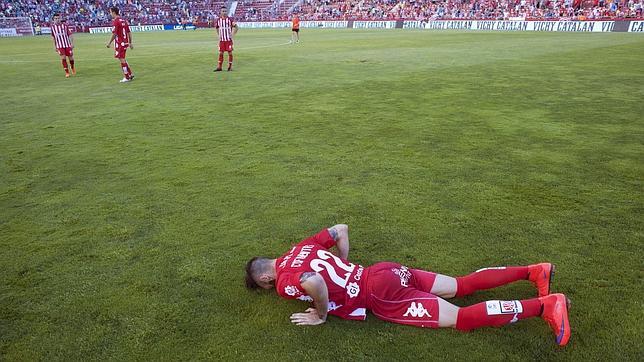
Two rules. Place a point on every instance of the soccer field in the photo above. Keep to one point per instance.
(128, 211)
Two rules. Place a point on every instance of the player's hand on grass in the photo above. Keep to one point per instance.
(310, 317)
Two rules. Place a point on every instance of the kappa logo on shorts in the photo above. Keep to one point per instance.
(353, 289)
(417, 311)
(291, 290)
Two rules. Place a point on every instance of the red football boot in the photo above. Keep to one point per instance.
(541, 276)
(555, 313)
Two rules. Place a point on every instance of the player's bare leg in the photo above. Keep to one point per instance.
(444, 286)
(63, 60)
(447, 314)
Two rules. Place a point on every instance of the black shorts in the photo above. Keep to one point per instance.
(296, 30)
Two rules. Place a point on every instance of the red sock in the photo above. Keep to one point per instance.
(124, 67)
(221, 60)
(230, 59)
(129, 70)
(496, 313)
(71, 62)
(489, 278)
(65, 66)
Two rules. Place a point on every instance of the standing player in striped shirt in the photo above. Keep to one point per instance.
(64, 43)
(122, 40)
(226, 29)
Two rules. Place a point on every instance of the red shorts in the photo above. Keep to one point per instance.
(401, 295)
(226, 46)
(65, 51)
(120, 52)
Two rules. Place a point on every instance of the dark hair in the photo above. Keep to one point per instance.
(115, 10)
(55, 15)
(250, 282)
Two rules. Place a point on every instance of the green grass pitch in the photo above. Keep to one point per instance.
(127, 211)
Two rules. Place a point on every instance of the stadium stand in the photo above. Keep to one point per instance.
(85, 13)
(96, 12)
(254, 10)
(468, 9)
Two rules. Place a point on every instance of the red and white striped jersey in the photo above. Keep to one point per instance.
(61, 33)
(225, 26)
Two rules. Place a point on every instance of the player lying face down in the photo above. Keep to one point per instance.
(310, 272)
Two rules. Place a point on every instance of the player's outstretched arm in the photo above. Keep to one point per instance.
(315, 287)
(340, 234)
(129, 39)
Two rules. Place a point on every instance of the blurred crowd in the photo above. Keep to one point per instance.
(469, 9)
(96, 12)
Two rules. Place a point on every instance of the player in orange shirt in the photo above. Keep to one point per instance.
(295, 37)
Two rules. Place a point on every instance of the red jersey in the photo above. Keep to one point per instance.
(61, 33)
(121, 31)
(344, 280)
(225, 27)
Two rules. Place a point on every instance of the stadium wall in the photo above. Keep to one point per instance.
(631, 26)
(47, 29)
(179, 27)
(7, 32)
(635, 26)
(137, 28)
